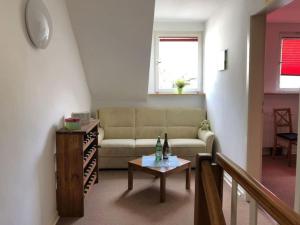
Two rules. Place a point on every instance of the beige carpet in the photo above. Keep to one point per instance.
(110, 203)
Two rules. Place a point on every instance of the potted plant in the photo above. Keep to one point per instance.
(180, 84)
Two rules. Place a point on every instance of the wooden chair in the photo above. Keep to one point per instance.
(283, 130)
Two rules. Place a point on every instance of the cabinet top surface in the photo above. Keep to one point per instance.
(85, 128)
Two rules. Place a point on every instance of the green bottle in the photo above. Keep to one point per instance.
(158, 150)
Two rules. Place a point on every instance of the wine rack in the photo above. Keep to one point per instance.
(77, 167)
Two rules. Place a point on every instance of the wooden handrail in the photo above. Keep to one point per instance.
(266, 199)
(208, 192)
(213, 201)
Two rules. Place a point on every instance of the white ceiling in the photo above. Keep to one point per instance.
(287, 14)
(185, 10)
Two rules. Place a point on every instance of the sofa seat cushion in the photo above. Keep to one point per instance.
(187, 147)
(118, 143)
(116, 148)
(145, 147)
(116, 152)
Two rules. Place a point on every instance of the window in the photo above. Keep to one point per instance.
(290, 63)
(177, 57)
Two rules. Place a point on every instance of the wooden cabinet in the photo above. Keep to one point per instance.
(77, 167)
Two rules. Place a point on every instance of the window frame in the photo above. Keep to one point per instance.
(156, 55)
(283, 35)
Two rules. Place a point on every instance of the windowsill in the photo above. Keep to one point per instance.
(175, 94)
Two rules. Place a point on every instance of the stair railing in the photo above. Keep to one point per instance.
(209, 194)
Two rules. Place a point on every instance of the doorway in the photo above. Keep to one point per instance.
(265, 94)
(280, 92)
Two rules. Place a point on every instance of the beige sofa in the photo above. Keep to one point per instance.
(128, 133)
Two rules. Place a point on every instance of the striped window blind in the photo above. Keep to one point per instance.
(290, 57)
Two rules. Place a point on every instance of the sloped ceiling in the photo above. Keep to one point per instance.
(114, 39)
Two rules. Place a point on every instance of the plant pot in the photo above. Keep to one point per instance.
(179, 90)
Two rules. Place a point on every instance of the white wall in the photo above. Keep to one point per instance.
(226, 91)
(272, 55)
(286, 14)
(115, 44)
(37, 88)
(179, 26)
(156, 101)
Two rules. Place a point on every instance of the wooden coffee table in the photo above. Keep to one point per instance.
(162, 173)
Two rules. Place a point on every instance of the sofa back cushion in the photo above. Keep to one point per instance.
(150, 122)
(118, 122)
(184, 122)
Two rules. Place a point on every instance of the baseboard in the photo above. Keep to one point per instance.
(228, 179)
(55, 220)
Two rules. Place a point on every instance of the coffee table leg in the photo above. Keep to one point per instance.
(162, 188)
(130, 177)
(188, 177)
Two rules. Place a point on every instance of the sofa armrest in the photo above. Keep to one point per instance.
(101, 135)
(208, 137)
